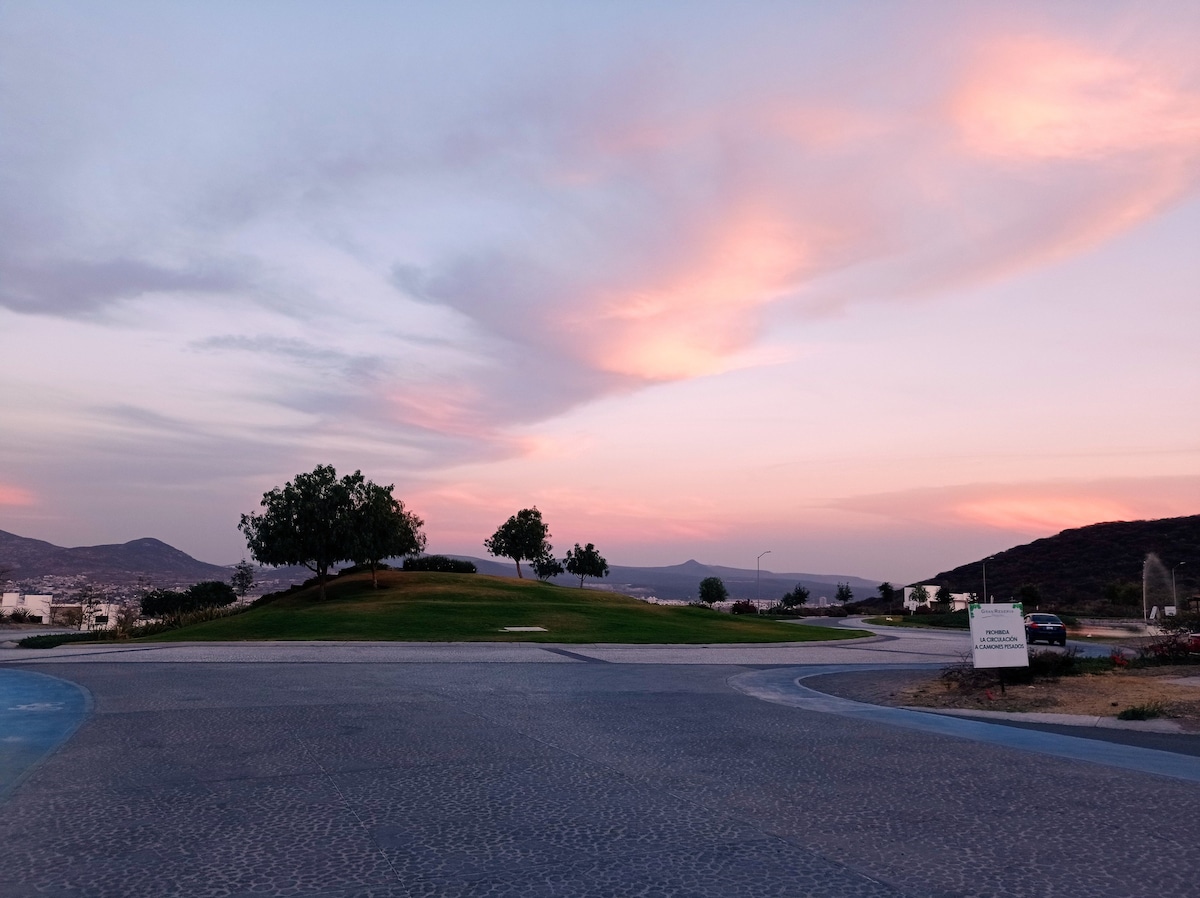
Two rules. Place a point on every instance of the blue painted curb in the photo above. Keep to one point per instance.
(38, 713)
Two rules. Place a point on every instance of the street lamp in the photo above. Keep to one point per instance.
(1174, 596)
(985, 561)
(757, 571)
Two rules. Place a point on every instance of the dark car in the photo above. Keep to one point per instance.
(1046, 627)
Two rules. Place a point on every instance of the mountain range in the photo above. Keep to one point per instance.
(156, 563)
(1079, 565)
(682, 581)
(148, 559)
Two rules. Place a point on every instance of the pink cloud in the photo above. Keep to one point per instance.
(1045, 98)
(15, 496)
(1036, 508)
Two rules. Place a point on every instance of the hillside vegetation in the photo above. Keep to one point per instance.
(1096, 568)
(437, 607)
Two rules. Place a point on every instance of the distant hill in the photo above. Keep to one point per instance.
(147, 558)
(682, 581)
(161, 564)
(1076, 567)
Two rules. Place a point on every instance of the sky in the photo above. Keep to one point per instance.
(880, 289)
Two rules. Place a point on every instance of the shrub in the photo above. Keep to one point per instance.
(362, 569)
(53, 640)
(440, 564)
(1143, 712)
(19, 615)
(743, 606)
(166, 602)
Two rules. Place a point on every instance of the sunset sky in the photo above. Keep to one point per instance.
(880, 288)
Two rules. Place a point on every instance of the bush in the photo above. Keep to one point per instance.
(440, 564)
(1143, 712)
(56, 639)
(167, 602)
(743, 606)
(19, 615)
(362, 569)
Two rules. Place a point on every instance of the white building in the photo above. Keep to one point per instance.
(958, 600)
(36, 607)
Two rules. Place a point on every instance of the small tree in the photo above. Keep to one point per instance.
(523, 537)
(242, 580)
(944, 599)
(712, 589)
(305, 522)
(920, 595)
(1030, 596)
(91, 606)
(795, 598)
(546, 566)
(845, 594)
(381, 528)
(586, 562)
(887, 594)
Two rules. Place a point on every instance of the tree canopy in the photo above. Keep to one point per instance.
(586, 562)
(381, 527)
(845, 594)
(712, 589)
(795, 598)
(523, 537)
(546, 566)
(318, 520)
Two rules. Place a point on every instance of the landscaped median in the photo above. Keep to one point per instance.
(439, 607)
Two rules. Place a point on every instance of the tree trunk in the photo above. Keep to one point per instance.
(519, 577)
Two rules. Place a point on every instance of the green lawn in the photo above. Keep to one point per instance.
(956, 620)
(433, 607)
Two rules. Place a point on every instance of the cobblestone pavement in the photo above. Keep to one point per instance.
(568, 778)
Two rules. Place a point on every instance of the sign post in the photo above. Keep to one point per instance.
(998, 635)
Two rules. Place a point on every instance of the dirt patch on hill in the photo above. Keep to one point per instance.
(1095, 695)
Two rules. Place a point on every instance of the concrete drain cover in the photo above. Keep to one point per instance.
(524, 630)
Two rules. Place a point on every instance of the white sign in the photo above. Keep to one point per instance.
(998, 635)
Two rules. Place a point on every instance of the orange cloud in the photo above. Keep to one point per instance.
(1042, 513)
(1048, 99)
(15, 496)
(1036, 508)
(690, 326)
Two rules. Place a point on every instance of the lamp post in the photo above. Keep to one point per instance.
(757, 571)
(985, 561)
(1174, 596)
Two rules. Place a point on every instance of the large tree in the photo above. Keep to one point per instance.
(307, 521)
(523, 537)
(382, 528)
(586, 562)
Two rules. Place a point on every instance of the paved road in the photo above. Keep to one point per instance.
(376, 770)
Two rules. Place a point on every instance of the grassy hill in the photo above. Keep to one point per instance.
(1096, 568)
(431, 607)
